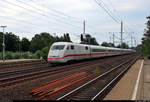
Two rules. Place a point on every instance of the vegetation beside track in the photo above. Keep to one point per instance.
(146, 40)
(38, 47)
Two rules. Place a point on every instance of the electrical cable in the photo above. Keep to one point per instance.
(36, 12)
(106, 11)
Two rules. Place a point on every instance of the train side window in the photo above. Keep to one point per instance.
(67, 47)
(72, 47)
(86, 48)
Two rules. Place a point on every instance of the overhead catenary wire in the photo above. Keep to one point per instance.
(33, 11)
(26, 22)
(58, 12)
(113, 8)
(68, 17)
(30, 13)
(110, 13)
(41, 13)
(22, 21)
(115, 11)
(100, 4)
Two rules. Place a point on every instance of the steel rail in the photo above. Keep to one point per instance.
(44, 71)
(31, 68)
(114, 79)
(89, 82)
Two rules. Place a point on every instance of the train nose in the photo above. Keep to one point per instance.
(55, 57)
(55, 54)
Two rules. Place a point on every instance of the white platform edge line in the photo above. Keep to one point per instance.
(137, 82)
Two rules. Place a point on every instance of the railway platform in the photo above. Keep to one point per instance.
(134, 85)
(16, 60)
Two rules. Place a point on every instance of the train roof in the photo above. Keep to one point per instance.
(93, 46)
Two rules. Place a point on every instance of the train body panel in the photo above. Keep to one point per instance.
(61, 52)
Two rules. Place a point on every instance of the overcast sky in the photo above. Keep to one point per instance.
(29, 17)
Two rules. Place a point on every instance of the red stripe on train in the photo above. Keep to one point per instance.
(84, 55)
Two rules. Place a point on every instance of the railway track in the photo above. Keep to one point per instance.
(11, 77)
(85, 91)
(33, 68)
(20, 65)
(98, 87)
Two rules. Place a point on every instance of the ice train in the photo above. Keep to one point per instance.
(62, 52)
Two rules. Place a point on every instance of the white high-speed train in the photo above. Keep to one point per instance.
(61, 52)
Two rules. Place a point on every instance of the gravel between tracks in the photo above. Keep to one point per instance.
(21, 91)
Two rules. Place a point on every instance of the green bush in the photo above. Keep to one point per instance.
(8, 55)
(29, 55)
(25, 55)
(17, 55)
(1, 56)
(34, 56)
(45, 51)
(39, 53)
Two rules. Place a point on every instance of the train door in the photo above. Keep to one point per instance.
(70, 51)
(87, 51)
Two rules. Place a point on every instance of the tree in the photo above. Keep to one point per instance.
(45, 51)
(123, 45)
(93, 41)
(11, 42)
(68, 37)
(146, 39)
(39, 41)
(139, 48)
(107, 44)
(1, 40)
(111, 45)
(88, 40)
(25, 44)
(65, 38)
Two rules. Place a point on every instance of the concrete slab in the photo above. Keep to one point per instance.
(146, 81)
(146, 91)
(146, 73)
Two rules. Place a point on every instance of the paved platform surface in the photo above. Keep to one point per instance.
(16, 60)
(129, 87)
(145, 86)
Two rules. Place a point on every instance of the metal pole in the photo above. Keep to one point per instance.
(3, 44)
(113, 39)
(121, 32)
(131, 41)
(134, 41)
(110, 39)
(84, 27)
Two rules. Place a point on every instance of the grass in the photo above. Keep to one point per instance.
(18, 55)
(96, 70)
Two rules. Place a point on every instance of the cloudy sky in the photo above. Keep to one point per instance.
(28, 17)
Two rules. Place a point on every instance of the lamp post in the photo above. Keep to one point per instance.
(3, 44)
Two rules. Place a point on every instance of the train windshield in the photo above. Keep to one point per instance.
(58, 47)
